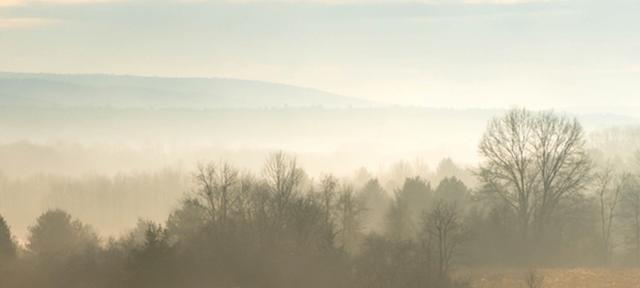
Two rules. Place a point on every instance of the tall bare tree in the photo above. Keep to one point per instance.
(282, 173)
(561, 162)
(443, 226)
(533, 161)
(282, 176)
(509, 169)
(216, 185)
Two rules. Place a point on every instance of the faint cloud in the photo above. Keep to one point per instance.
(11, 23)
(437, 2)
(4, 3)
(30, 22)
(7, 3)
(503, 2)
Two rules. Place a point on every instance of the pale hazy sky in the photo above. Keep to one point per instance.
(474, 53)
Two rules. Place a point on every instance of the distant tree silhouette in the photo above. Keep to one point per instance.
(609, 188)
(444, 228)
(630, 212)
(348, 215)
(405, 213)
(186, 221)
(65, 250)
(328, 190)
(151, 264)
(452, 190)
(376, 204)
(56, 235)
(7, 244)
(217, 187)
(282, 176)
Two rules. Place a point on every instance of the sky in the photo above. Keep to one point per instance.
(574, 54)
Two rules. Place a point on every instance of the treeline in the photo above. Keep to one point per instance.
(240, 230)
(113, 203)
(545, 199)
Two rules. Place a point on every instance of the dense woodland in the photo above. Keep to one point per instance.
(540, 197)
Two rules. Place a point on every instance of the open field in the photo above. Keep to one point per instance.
(556, 278)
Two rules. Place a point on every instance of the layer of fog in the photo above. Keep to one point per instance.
(110, 166)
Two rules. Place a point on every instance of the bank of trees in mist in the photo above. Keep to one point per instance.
(544, 198)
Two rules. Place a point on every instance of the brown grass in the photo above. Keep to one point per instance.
(554, 278)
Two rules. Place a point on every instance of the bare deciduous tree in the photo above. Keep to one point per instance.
(216, 186)
(533, 161)
(282, 174)
(561, 162)
(508, 169)
(444, 228)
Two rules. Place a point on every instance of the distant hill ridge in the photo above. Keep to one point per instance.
(118, 91)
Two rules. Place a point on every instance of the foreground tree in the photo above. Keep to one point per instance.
(508, 169)
(561, 161)
(533, 162)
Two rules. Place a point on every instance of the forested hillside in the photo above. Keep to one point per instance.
(119, 91)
